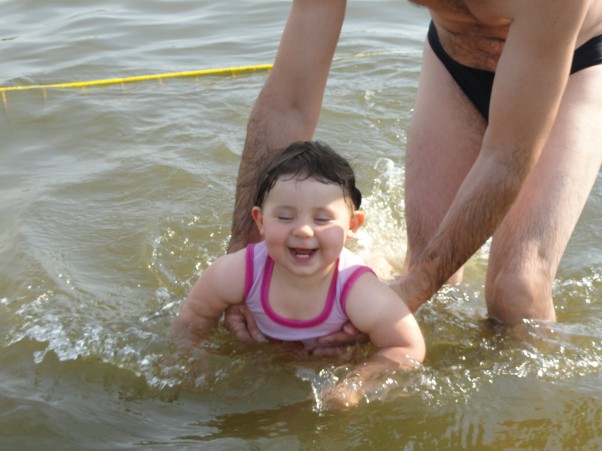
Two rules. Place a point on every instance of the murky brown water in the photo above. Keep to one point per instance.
(115, 198)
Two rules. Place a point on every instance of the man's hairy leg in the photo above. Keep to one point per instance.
(443, 142)
(528, 246)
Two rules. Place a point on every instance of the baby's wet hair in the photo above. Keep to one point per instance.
(309, 159)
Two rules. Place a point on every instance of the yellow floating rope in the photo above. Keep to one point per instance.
(228, 71)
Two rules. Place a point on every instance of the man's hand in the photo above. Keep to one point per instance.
(336, 343)
(241, 323)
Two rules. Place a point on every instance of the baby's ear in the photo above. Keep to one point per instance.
(258, 218)
(357, 219)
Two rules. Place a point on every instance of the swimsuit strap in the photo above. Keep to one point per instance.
(249, 269)
(350, 282)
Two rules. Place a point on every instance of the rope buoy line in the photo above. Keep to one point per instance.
(228, 71)
(231, 71)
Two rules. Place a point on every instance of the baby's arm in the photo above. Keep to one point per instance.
(376, 310)
(218, 287)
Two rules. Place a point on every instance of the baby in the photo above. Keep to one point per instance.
(300, 282)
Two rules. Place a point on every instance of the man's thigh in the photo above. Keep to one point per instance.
(444, 140)
(533, 236)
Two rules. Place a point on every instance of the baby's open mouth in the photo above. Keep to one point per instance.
(302, 253)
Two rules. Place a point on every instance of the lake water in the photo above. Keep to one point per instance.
(115, 198)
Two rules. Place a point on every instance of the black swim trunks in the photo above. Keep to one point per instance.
(477, 83)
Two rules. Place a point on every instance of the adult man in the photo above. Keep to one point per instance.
(519, 170)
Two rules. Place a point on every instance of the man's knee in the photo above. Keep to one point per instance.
(513, 295)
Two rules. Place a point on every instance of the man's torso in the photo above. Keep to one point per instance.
(473, 32)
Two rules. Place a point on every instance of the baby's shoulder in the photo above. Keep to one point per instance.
(230, 268)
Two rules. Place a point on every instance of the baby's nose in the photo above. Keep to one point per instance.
(303, 229)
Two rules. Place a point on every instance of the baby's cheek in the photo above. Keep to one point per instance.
(275, 234)
(335, 234)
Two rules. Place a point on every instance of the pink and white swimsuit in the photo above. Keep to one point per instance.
(258, 274)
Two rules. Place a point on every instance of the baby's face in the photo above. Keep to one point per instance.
(305, 224)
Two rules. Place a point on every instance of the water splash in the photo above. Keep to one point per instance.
(341, 382)
(381, 241)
